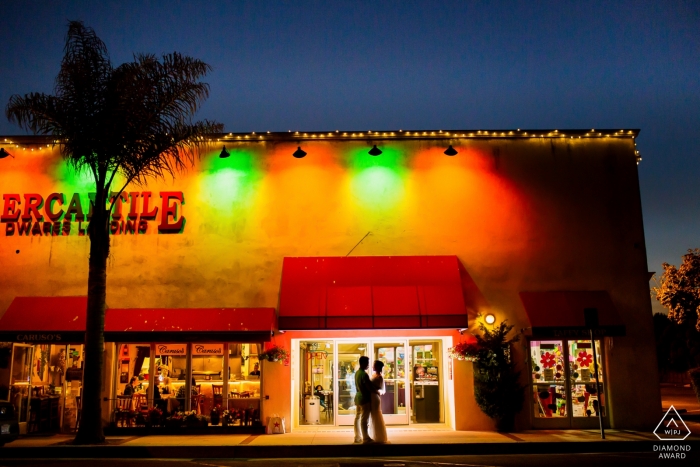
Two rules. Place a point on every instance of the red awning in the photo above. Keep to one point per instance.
(44, 319)
(560, 314)
(372, 292)
(62, 319)
(189, 324)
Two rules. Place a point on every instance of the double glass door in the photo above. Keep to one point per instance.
(328, 387)
(393, 353)
(564, 390)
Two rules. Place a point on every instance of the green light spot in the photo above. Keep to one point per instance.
(377, 181)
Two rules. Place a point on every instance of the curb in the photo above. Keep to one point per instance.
(328, 451)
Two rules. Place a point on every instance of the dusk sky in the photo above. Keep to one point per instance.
(304, 65)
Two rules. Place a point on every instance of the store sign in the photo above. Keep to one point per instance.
(171, 349)
(572, 332)
(30, 214)
(42, 337)
(207, 349)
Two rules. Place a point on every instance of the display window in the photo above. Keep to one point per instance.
(219, 383)
(563, 382)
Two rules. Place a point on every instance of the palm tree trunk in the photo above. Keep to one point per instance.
(90, 430)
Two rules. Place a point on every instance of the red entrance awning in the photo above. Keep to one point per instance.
(62, 319)
(372, 292)
(560, 313)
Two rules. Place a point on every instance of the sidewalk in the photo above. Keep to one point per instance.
(337, 442)
(324, 441)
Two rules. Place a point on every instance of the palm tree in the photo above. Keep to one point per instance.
(124, 125)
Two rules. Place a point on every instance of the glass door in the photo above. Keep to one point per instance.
(349, 354)
(393, 355)
(20, 382)
(564, 392)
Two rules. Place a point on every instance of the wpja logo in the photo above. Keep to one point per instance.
(672, 428)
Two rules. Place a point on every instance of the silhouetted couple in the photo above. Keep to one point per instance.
(369, 421)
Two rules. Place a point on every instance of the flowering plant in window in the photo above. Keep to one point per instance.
(548, 360)
(464, 351)
(155, 415)
(275, 354)
(584, 358)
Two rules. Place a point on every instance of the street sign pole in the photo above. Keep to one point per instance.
(591, 319)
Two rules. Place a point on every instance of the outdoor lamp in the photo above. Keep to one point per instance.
(450, 151)
(224, 153)
(490, 318)
(299, 153)
(4, 154)
(375, 151)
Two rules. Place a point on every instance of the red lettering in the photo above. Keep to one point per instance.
(75, 208)
(66, 228)
(123, 198)
(145, 213)
(47, 228)
(143, 226)
(34, 202)
(48, 207)
(36, 230)
(56, 228)
(24, 228)
(9, 208)
(114, 227)
(170, 210)
(130, 226)
(10, 229)
(134, 195)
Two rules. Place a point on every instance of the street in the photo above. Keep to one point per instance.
(576, 460)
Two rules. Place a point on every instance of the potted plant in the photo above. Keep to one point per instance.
(497, 389)
(155, 416)
(226, 418)
(464, 351)
(275, 354)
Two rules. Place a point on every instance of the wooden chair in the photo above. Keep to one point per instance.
(141, 405)
(124, 410)
(218, 392)
(197, 402)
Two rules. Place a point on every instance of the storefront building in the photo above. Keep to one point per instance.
(318, 243)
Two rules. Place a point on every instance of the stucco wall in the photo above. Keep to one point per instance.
(521, 214)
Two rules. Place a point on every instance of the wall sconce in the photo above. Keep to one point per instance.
(490, 318)
(375, 151)
(4, 154)
(450, 151)
(224, 153)
(299, 153)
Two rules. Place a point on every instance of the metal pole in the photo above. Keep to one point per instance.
(597, 384)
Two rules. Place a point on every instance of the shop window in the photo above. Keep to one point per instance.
(426, 391)
(566, 390)
(243, 398)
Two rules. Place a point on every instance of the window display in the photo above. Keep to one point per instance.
(562, 390)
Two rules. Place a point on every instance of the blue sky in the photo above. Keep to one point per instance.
(308, 65)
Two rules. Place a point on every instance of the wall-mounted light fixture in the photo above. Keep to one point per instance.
(299, 153)
(224, 153)
(490, 318)
(4, 154)
(450, 151)
(375, 151)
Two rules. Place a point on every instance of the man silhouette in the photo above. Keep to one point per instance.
(363, 402)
